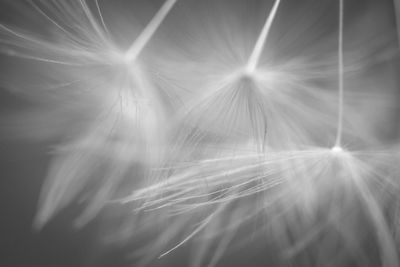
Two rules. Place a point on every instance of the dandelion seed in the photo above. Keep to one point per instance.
(125, 111)
(270, 105)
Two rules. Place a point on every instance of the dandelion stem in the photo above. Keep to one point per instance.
(144, 37)
(340, 77)
(258, 47)
(396, 4)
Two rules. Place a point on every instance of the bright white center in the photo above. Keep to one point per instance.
(336, 149)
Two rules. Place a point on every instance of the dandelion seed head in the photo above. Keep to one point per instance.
(206, 138)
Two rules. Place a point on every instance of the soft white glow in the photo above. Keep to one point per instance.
(336, 149)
